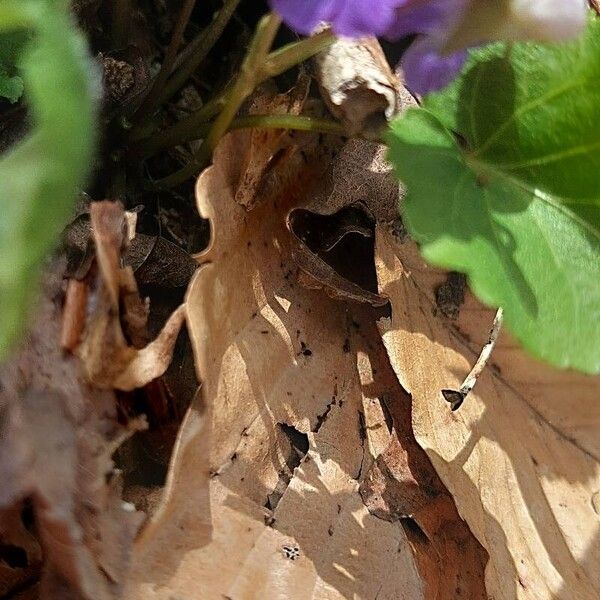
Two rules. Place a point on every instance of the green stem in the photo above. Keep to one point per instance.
(258, 66)
(288, 56)
(247, 80)
(197, 51)
(152, 100)
(297, 122)
(194, 127)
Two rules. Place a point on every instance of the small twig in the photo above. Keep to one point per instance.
(73, 318)
(457, 397)
(121, 16)
(152, 100)
(197, 50)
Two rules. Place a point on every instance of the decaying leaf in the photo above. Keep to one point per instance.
(263, 490)
(57, 435)
(520, 457)
(402, 486)
(109, 359)
(358, 85)
(270, 158)
(334, 231)
(158, 261)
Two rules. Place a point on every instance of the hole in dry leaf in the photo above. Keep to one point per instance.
(299, 448)
(298, 440)
(13, 556)
(28, 515)
(413, 531)
(291, 552)
(344, 240)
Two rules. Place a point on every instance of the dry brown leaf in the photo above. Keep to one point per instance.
(357, 190)
(158, 261)
(402, 485)
(357, 84)
(269, 158)
(57, 435)
(358, 179)
(520, 457)
(109, 360)
(281, 423)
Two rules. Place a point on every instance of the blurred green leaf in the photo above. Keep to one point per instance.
(502, 176)
(39, 177)
(11, 86)
(11, 83)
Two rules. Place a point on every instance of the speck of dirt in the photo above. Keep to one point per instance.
(118, 77)
(291, 552)
(305, 350)
(450, 295)
(399, 230)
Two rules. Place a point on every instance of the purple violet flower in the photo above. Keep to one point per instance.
(425, 68)
(350, 18)
(427, 64)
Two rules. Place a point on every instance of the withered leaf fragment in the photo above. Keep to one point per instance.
(521, 458)
(110, 361)
(262, 496)
(358, 85)
(57, 435)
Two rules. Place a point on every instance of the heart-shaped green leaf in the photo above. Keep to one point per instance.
(503, 178)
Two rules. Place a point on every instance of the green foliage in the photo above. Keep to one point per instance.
(40, 176)
(11, 45)
(502, 171)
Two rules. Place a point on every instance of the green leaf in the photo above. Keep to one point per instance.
(502, 177)
(40, 176)
(11, 86)
(11, 45)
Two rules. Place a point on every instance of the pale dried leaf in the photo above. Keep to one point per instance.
(357, 84)
(280, 423)
(402, 486)
(109, 360)
(153, 360)
(269, 158)
(520, 457)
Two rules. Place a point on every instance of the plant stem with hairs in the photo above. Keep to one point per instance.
(152, 100)
(258, 66)
(197, 50)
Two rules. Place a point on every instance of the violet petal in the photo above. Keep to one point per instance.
(425, 70)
